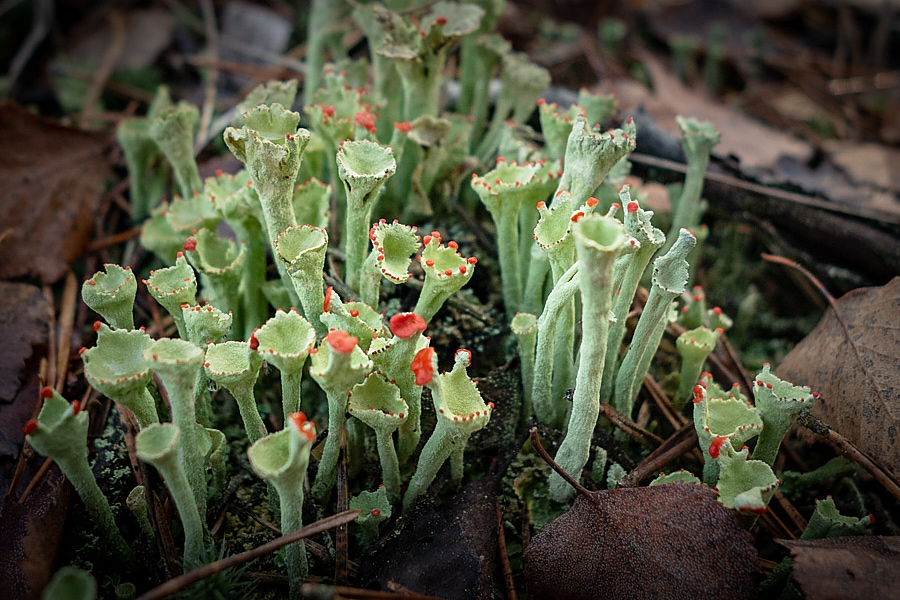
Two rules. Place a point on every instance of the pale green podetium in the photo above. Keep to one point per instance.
(720, 419)
(60, 433)
(670, 277)
(377, 403)
(235, 366)
(173, 287)
(694, 346)
(598, 240)
(177, 363)
(281, 459)
(301, 250)
(158, 445)
(337, 365)
(460, 412)
(110, 293)
(285, 341)
(446, 271)
(779, 403)
(363, 167)
(116, 368)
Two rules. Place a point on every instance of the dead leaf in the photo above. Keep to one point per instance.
(668, 541)
(446, 552)
(849, 568)
(24, 323)
(30, 534)
(858, 377)
(871, 163)
(758, 146)
(51, 179)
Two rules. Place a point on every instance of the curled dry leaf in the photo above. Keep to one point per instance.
(52, 179)
(669, 541)
(857, 371)
(847, 568)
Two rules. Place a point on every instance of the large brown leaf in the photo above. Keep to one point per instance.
(668, 541)
(857, 370)
(51, 180)
(848, 568)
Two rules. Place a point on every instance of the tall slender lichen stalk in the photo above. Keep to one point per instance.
(598, 239)
(281, 459)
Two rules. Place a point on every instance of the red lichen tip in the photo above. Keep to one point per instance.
(303, 425)
(76, 407)
(97, 325)
(541, 205)
(354, 312)
(592, 202)
(366, 120)
(632, 206)
(406, 324)
(577, 215)
(328, 111)
(441, 20)
(341, 341)
(698, 393)
(716, 446)
(46, 392)
(404, 126)
(423, 365)
(328, 293)
(189, 245)
(254, 343)
(376, 512)
(30, 426)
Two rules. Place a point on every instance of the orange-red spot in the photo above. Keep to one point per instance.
(47, 392)
(254, 343)
(716, 446)
(406, 324)
(592, 202)
(30, 426)
(354, 312)
(76, 407)
(327, 297)
(341, 341)
(423, 366)
(698, 393)
(366, 120)
(404, 126)
(441, 20)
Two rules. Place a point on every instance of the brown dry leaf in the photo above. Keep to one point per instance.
(30, 534)
(668, 541)
(24, 323)
(849, 568)
(870, 163)
(51, 179)
(858, 377)
(758, 146)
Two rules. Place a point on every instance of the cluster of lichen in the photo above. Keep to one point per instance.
(372, 154)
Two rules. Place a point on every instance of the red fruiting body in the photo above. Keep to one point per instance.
(254, 343)
(76, 407)
(406, 324)
(469, 352)
(404, 126)
(441, 20)
(632, 206)
(47, 392)
(429, 262)
(327, 297)
(354, 312)
(698, 393)
(422, 366)
(426, 240)
(328, 111)
(717, 311)
(716, 446)
(376, 512)
(577, 215)
(189, 245)
(472, 260)
(366, 120)
(452, 244)
(341, 341)
(30, 426)
(541, 205)
(97, 325)
(592, 202)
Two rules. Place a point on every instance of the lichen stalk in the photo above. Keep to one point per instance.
(598, 240)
